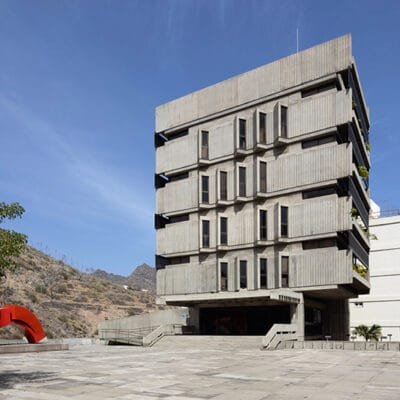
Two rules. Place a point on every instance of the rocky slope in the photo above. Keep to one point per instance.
(70, 303)
(143, 277)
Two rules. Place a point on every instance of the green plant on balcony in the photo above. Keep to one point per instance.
(353, 104)
(354, 213)
(363, 171)
(368, 146)
(360, 269)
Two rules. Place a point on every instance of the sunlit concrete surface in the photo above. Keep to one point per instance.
(165, 372)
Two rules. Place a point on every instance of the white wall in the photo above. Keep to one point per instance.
(382, 305)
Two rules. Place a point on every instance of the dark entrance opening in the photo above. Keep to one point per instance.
(251, 320)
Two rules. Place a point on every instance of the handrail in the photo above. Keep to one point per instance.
(277, 334)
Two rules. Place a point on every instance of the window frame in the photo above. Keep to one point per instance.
(281, 224)
(220, 217)
(281, 257)
(239, 167)
(202, 236)
(220, 262)
(205, 194)
(220, 192)
(260, 260)
(259, 225)
(240, 261)
(242, 123)
(204, 147)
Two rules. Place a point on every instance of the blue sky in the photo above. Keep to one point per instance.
(79, 81)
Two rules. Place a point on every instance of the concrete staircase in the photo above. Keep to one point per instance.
(204, 342)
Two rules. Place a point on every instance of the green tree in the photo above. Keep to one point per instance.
(368, 333)
(11, 243)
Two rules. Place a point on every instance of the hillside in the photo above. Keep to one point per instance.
(143, 277)
(70, 303)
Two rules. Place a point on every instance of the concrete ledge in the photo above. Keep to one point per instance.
(32, 348)
(341, 345)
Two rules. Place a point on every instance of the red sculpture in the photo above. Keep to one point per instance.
(12, 314)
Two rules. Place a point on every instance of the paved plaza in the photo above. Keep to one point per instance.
(168, 373)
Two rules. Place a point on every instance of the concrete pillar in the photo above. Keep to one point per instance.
(194, 318)
(297, 317)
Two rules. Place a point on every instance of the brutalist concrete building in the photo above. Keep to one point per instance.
(262, 197)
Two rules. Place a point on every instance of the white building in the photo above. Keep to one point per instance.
(382, 305)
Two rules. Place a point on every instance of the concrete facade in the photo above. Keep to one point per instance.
(260, 198)
(382, 305)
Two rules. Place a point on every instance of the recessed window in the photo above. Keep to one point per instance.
(243, 274)
(224, 276)
(205, 233)
(263, 177)
(285, 271)
(242, 181)
(178, 177)
(204, 145)
(205, 184)
(178, 135)
(284, 130)
(179, 260)
(223, 185)
(323, 87)
(178, 218)
(310, 194)
(284, 221)
(319, 244)
(263, 273)
(306, 144)
(263, 225)
(242, 134)
(262, 121)
(223, 231)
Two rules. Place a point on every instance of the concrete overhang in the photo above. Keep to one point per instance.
(278, 295)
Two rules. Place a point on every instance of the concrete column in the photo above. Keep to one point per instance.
(194, 318)
(297, 317)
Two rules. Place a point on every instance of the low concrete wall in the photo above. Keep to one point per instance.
(176, 316)
(341, 345)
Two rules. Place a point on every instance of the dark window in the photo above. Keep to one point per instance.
(263, 177)
(263, 225)
(285, 271)
(204, 189)
(178, 218)
(223, 231)
(262, 120)
(177, 135)
(310, 194)
(284, 221)
(318, 244)
(284, 132)
(178, 177)
(223, 182)
(243, 274)
(204, 145)
(224, 276)
(242, 134)
(206, 233)
(179, 260)
(323, 87)
(317, 142)
(263, 273)
(242, 181)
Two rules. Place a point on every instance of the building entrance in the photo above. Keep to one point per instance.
(251, 320)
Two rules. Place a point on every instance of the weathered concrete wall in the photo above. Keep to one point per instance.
(324, 59)
(177, 316)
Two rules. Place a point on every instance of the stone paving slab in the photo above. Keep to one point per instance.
(118, 372)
